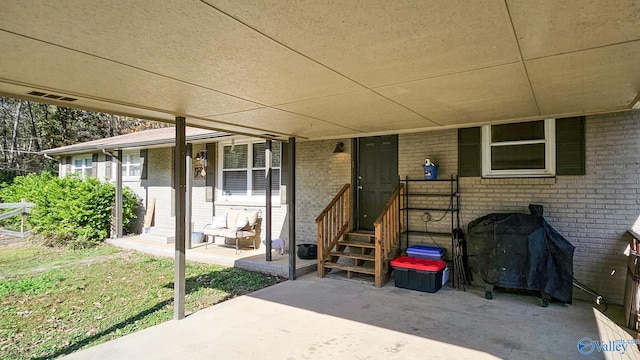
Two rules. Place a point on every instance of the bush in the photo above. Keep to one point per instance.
(69, 211)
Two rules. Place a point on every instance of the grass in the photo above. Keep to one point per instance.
(54, 302)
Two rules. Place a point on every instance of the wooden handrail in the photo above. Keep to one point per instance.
(387, 235)
(333, 202)
(389, 203)
(333, 222)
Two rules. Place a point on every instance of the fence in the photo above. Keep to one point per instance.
(22, 208)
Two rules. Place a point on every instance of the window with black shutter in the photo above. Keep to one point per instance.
(529, 149)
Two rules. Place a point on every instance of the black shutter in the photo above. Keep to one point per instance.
(144, 164)
(469, 150)
(210, 178)
(285, 166)
(570, 146)
(94, 165)
(107, 166)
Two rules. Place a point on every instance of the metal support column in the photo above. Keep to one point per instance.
(268, 175)
(118, 215)
(188, 195)
(291, 207)
(180, 187)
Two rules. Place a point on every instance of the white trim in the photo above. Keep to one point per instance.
(550, 153)
(128, 161)
(84, 170)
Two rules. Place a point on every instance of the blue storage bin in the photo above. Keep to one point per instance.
(426, 252)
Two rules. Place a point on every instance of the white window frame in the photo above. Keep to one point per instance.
(550, 154)
(249, 197)
(128, 161)
(84, 170)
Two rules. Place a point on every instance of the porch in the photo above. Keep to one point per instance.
(289, 320)
(248, 259)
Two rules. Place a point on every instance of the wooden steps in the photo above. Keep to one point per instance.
(359, 244)
(350, 269)
(359, 249)
(350, 255)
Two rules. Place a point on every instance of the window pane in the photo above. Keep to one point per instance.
(134, 170)
(532, 130)
(517, 157)
(234, 182)
(259, 182)
(78, 164)
(258, 155)
(276, 154)
(259, 158)
(235, 157)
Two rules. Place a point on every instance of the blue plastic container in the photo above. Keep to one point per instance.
(430, 172)
(426, 252)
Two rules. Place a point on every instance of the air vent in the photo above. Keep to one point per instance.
(51, 96)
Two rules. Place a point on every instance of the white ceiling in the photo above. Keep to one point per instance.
(326, 69)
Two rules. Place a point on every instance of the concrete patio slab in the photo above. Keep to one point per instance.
(248, 259)
(313, 318)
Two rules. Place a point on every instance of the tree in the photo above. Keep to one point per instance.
(29, 127)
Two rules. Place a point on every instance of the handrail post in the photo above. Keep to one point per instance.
(379, 256)
(24, 216)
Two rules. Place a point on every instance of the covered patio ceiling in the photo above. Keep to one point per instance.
(320, 69)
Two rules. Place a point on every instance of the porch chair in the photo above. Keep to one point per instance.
(235, 225)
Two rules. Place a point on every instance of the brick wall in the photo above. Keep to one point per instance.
(320, 174)
(592, 211)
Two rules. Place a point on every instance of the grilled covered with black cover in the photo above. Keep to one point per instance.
(521, 251)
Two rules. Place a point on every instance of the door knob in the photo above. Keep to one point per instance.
(359, 187)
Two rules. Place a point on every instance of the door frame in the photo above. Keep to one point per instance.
(354, 184)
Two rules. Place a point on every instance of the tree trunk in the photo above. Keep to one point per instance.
(34, 128)
(14, 137)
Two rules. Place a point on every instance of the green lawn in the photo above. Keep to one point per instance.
(54, 302)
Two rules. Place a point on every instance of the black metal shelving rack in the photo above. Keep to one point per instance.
(453, 208)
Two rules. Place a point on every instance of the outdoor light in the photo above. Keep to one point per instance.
(339, 147)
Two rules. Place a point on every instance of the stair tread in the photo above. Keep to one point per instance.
(353, 255)
(357, 244)
(362, 233)
(358, 269)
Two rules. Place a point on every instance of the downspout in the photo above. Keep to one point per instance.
(117, 225)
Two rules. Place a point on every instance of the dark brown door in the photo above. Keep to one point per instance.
(376, 177)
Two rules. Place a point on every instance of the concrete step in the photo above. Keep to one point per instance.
(161, 231)
(159, 238)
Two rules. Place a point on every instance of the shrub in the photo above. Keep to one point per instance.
(69, 211)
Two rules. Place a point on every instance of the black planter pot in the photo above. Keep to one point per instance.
(307, 251)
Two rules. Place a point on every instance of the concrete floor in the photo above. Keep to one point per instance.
(313, 318)
(246, 258)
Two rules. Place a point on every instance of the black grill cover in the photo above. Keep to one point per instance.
(521, 251)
